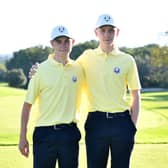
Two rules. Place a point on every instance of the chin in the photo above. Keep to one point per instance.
(108, 42)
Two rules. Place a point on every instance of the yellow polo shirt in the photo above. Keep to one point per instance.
(58, 90)
(107, 79)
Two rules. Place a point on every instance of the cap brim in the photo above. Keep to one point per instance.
(63, 35)
(99, 26)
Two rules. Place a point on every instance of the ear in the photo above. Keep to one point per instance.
(95, 31)
(118, 30)
(73, 41)
(51, 42)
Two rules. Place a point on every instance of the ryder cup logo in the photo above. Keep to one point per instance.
(74, 78)
(116, 70)
(107, 18)
(61, 29)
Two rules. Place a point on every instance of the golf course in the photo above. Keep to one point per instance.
(150, 151)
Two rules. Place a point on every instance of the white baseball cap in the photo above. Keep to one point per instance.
(59, 31)
(105, 19)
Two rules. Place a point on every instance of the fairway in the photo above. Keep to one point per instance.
(151, 149)
(144, 156)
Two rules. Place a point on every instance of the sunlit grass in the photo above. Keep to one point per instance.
(152, 128)
(143, 156)
(152, 125)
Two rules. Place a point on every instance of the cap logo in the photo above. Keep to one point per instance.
(107, 18)
(116, 70)
(74, 78)
(61, 29)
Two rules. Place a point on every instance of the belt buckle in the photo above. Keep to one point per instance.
(108, 115)
(55, 127)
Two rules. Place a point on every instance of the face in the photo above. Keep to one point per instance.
(62, 45)
(106, 34)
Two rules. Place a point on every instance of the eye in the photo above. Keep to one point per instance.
(67, 41)
(58, 41)
(111, 30)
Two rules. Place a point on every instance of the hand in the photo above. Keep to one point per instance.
(24, 147)
(33, 69)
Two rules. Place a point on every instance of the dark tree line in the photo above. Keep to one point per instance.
(152, 61)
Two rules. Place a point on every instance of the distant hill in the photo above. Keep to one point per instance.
(5, 57)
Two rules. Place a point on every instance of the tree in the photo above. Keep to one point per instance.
(152, 63)
(24, 59)
(2, 72)
(16, 78)
(152, 60)
(81, 47)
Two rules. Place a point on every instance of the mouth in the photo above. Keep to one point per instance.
(107, 40)
(63, 50)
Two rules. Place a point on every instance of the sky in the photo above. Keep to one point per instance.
(28, 23)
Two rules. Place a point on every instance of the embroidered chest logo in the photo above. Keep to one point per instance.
(74, 78)
(116, 70)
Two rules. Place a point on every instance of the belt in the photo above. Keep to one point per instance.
(109, 115)
(58, 126)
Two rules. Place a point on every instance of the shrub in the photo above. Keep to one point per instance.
(2, 72)
(16, 78)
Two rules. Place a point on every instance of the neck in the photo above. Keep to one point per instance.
(107, 48)
(61, 59)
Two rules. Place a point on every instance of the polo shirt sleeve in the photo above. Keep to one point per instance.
(33, 89)
(133, 76)
(81, 86)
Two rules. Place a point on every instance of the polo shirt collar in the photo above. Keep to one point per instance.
(115, 51)
(53, 62)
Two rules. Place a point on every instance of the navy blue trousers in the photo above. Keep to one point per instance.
(109, 132)
(60, 143)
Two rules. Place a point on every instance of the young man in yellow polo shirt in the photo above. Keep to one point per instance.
(111, 122)
(57, 86)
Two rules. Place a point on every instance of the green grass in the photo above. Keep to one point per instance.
(11, 100)
(151, 149)
(143, 156)
(153, 119)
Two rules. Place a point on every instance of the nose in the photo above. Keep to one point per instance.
(107, 33)
(63, 45)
